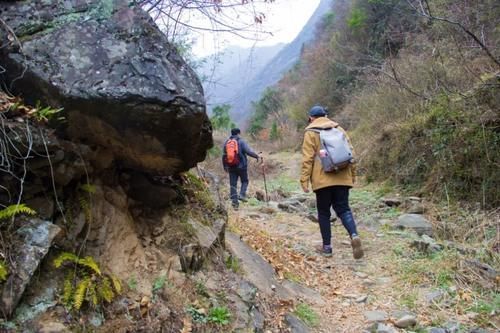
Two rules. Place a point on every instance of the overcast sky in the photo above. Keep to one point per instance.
(284, 20)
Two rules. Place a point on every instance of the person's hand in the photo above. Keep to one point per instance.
(305, 189)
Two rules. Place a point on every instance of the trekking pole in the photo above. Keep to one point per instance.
(265, 182)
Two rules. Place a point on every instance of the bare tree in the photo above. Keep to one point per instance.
(242, 18)
(423, 8)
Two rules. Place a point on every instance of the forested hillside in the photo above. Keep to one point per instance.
(417, 84)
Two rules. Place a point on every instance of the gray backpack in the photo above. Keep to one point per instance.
(335, 153)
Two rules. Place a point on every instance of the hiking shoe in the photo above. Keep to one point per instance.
(324, 250)
(357, 250)
(242, 199)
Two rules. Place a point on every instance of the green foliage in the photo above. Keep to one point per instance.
(270, 103)
(275, 134)
(233, 264)
(304, 312)
(44, 114)
(219, 315)
(201, 289)
(216, 315)
(197, 315)
(4, 271)
(132, 283)
(199, 189)
(357, 18)
(86, 283)
(159, 284)
(89, 188)
(13, 210)
(220, 118)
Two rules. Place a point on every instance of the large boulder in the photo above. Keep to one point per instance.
(121, 84)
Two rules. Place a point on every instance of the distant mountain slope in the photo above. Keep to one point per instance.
(272, 72)
(232, 70)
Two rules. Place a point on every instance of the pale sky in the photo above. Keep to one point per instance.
(283, 18)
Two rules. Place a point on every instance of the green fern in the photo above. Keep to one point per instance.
(68, 290)
(65, 256)
(13, 210)
(81, 292)
(117, 285)
(89, 262)
(3, 271)
(84, 204)
(105, 290)
(89, 188)
(86, 283)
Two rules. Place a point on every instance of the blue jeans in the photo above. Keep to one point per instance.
(338, 198)
(234, 174)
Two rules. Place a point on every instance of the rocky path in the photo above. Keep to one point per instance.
(339, 294)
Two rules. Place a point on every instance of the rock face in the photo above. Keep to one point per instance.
(36, 237)
(122, 86)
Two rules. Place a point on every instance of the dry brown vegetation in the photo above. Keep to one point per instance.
(416, 83)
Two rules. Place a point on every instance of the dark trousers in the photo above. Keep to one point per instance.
(338, 198)
(234, 174)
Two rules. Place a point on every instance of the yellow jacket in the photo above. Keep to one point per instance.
(311, 165)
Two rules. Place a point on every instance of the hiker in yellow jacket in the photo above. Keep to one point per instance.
(332, 188)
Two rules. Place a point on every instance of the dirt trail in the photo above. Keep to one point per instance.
(287, 241)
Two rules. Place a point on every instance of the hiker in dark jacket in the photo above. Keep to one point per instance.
(239, 171)
(331, 189)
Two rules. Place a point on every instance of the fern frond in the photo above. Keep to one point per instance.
(89, 262)
(68, 290)
(84, 204)
(65, 256)
(105, 290)
(117, 285)
(4, 271)
(80, 292)
(93, 294)
(12, 210)
(89, 188)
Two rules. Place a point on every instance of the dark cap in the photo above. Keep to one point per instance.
(317, 111)
(235, 131)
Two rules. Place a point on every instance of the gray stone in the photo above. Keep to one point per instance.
(375, 316)
(406, 321)
(246, 291)
(434, 295)
(37, 237)
(436, 330)
(382, 328)
(360, 274)
(258, 320)
(478, 330)
(308, 294)
(426, 244)
(361, 299)
(295, 324)
(452, 327)
(414, 222)
(120, 82)
(312, 217)
(392, 202)
(416, 208)
(255, 268)
(192, 256)
(242, 317)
